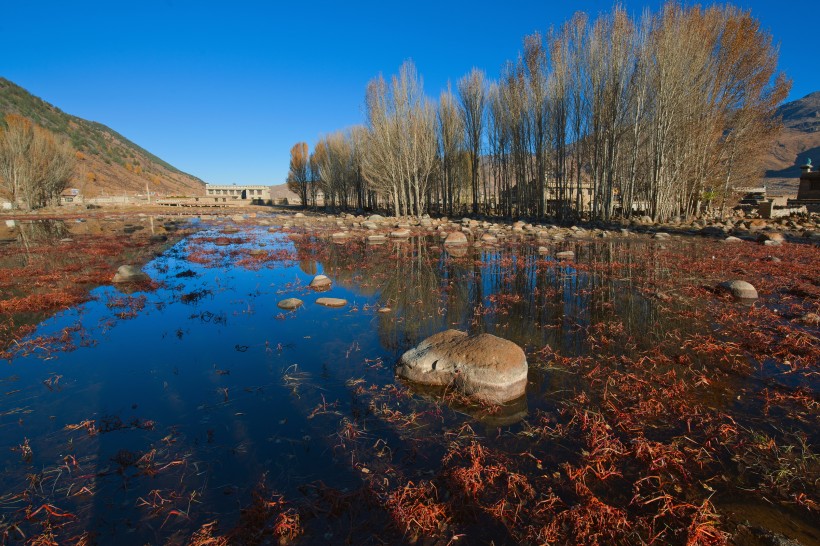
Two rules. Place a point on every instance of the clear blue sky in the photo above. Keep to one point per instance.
(223, 91)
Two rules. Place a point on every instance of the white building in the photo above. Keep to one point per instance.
(233, 192)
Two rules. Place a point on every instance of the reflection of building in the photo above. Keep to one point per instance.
(70, 196)
(226, 193)
(808, 193)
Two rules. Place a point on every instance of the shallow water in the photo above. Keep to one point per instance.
(202, 388)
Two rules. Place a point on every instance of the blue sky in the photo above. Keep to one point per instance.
(223, 91)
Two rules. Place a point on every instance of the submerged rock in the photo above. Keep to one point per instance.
(565, 255)
(484, 367)
(130, 273)
(741, 290)
(290, 304)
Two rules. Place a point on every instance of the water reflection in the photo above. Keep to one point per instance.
(236, 389)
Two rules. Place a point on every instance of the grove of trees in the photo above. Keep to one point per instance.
(35, 165)
(660, 114)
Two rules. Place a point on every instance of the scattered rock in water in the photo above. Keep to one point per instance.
(298, 215)
(456, 238)
(543, 250)
(565, 255)
(732, 240)
(223, 241)
(661, 235)
(385, 310)
(484, 367)
(340, 235)
(740, 289)
(157, 238)
(290, 304)
(230, 230)
(321, 282)
(130, 273)
(376, 239)
(375, 218)
(773, 259)
(489, 239)
(400, 234)
(370, 225)
(332, 302)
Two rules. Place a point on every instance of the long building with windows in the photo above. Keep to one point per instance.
(230, 192)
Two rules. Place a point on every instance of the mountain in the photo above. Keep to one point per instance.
(108, 163)
(798, 142)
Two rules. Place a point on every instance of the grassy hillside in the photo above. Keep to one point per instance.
(108, 163)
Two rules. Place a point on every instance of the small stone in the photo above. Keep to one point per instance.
(400, 234)
(565, 255)
(376, 239)
(331, 302)
(385, 310)
(732, 240)
(543, 250)
(290, 303)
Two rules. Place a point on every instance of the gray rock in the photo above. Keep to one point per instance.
(484, 367)
(741, 290)
(130, 273)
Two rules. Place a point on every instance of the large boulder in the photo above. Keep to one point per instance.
(130, 273)
(484, 367)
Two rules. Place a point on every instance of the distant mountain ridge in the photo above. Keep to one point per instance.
(798, 142)
(108, 163)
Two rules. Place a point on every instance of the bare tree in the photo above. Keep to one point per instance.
(472, 92)
(35, 165)
(298, 174)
